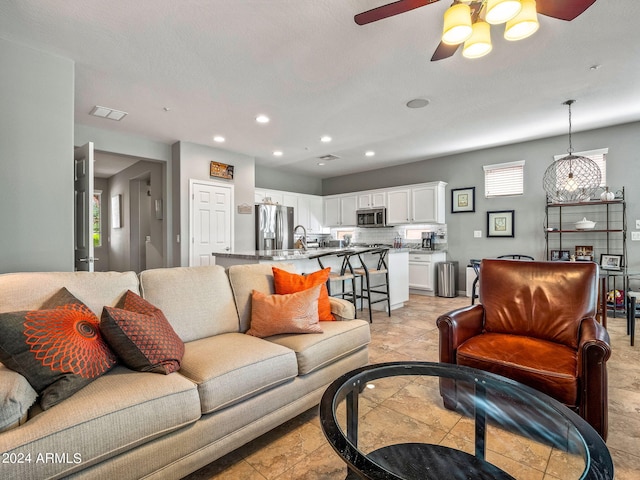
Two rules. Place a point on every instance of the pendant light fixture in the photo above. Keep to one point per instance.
(457, 24)
(524, 24)
(500, 11)
(572, 178)
(479, 44)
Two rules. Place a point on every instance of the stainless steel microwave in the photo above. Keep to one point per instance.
(372, 217)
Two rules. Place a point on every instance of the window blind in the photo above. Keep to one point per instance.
(599, 156)
(504, 179)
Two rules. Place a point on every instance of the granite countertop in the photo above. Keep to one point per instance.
(294, 254)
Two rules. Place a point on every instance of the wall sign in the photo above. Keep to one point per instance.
(221, 170)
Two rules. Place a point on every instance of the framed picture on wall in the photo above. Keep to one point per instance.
(463, 200)
(500, 223)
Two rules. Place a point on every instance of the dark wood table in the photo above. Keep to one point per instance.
(354, 417)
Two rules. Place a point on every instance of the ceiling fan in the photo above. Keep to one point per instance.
(561, 9)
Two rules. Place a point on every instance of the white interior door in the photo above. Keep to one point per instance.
(211, 222)
(83, 211)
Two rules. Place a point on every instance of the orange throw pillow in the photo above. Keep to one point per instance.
(292, 313)
(287, 282)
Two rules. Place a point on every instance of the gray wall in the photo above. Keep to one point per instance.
(102, 252)
(269, 178)
(191, 161)
(36, 160)
(465, 170)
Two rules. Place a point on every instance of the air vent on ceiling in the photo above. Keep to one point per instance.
(328, 158)
(106, 112)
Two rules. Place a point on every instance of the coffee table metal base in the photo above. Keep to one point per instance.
(422, 461)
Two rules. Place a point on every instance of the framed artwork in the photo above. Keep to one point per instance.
(500, 223)
(584, 253)
(560, 255)
(610, 262)
(463, 200)
(221, 170)
(116, 205)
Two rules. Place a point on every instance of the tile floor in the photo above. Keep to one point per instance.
(298, 449)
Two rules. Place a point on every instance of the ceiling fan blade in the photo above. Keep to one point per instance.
(563, 9)
(390, 10)
(444, 51)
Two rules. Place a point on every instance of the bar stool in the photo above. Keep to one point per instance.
(366, 273)
(343, 275)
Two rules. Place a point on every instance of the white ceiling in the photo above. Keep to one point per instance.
(216, 64)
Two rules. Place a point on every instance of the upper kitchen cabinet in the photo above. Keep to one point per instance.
(310, 212)
(372, 199)
(427, 203)
(422, 203)
(340, 211)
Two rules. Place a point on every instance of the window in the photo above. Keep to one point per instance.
(413, 233)
(341, 233)
(504, 179)
(97, 218)
(598, 156)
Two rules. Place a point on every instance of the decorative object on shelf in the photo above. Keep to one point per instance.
(607, 196)
(463, 200)
(221, 170)
(584, 253)
(572, 178)
(585, 224)
(610, 262)
(560, 255)
(500, 223)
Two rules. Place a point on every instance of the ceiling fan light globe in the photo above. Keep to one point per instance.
(501, 11)
(479, 44)
(524, 24)
(457, 24)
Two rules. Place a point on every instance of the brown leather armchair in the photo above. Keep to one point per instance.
(536, 325)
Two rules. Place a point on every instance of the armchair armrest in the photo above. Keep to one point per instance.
(342, 309)
(594, 349)
(456, 327)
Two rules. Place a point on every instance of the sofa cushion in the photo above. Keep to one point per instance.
(338, 340)
(231, 367)
(288, 282)
(29, 290)
(141, 336)
(245, 279)
(114, 414)
(197, 301)
(293, 313)
(16, 396)
(58, 349)
(552, 369)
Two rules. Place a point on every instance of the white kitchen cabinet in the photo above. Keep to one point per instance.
(340, 211)
(398, 206)
(372, 199)
(422, 270)
(427, 203)
(310, 213)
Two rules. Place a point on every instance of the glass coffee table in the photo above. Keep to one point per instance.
(387, 421)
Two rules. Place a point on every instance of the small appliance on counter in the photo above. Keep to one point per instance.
(428, 240)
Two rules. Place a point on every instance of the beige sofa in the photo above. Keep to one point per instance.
(230, 389)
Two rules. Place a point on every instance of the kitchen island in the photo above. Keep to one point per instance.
(397, 263)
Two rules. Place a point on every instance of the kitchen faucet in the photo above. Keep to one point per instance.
(304, 236)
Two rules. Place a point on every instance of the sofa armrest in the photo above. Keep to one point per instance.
(594, 349)
(342, 309)
(456, 327)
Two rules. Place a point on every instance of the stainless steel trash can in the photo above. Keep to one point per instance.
(447, 274)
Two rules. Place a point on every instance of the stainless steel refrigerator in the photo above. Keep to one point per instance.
(274, 227)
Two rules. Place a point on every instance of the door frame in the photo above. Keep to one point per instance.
(209, 183)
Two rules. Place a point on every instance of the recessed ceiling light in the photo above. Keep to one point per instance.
(325, 139)
(262, 119)
(322, 164)
(277, 153)
(595, 67)
(370, 153)
(418, 103)
(106, 112)
(219, 139)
